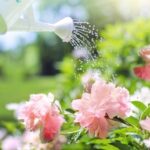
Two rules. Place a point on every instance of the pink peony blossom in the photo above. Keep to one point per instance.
(95, 109)
(143, 72)
(42, 113)
(145, 124)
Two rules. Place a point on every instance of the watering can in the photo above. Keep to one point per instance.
(17, 15)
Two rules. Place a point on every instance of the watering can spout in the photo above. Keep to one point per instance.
(27, 26)
(63, 28)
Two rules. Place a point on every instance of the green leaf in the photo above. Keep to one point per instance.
(71, 131)
(145, 113)
(133, 121)
(139, 105)
(106, 147)
(124, 130)
(99, 141)
(10, 126)
(76, 136)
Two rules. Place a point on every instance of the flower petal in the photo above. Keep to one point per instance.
(143, 72)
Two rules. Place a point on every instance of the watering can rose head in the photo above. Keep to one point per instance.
(64, 29)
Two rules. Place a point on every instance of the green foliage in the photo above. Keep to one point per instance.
(119, 49)
(146, 113)
(141, 106)
(133, 121)
(119, 54)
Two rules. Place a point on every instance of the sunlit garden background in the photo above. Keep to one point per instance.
(33, 63)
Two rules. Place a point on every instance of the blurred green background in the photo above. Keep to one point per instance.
(42, 63)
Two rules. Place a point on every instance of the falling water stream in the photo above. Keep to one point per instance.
(84, 35)
(83, 40)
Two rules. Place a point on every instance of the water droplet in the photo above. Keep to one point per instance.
(85, 37)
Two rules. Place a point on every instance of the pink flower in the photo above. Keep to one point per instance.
(11, 143)
(95, 109)
(41, 112)
(143, 72)
(145, 124)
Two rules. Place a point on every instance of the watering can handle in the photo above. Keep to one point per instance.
(3, 25)
(11, 11)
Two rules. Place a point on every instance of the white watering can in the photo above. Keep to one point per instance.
(17, 15)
